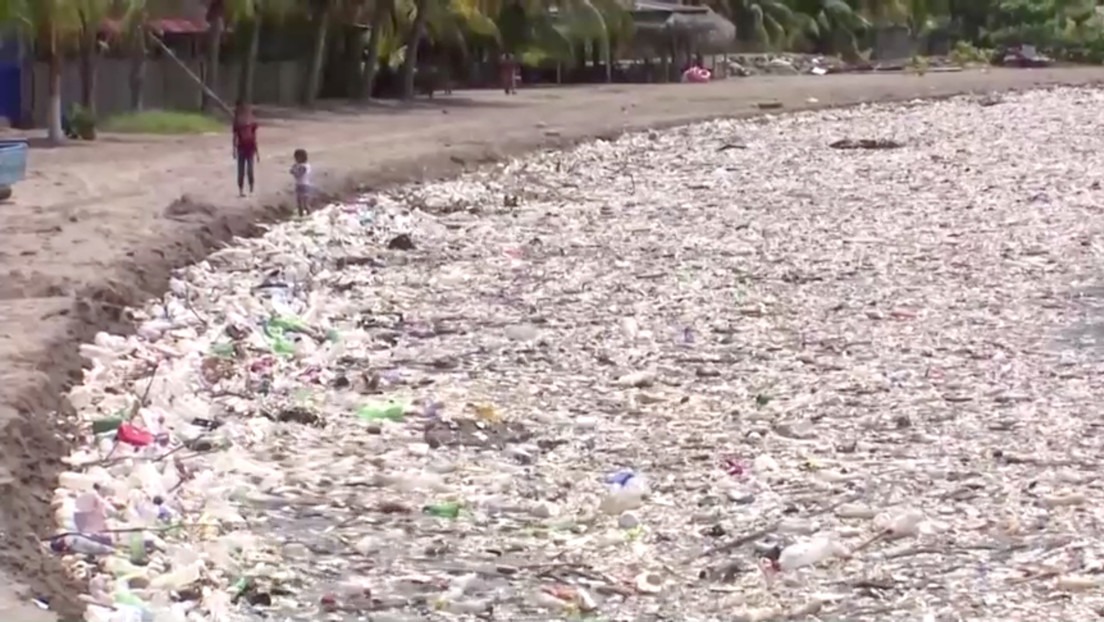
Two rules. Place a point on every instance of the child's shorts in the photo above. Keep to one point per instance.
(302, 192)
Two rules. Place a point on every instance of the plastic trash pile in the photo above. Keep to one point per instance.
(723, 372)
(697, 75)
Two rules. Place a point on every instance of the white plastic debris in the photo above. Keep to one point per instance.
(409, 407)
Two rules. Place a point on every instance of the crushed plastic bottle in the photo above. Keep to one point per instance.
(107, 424)
(627, 491)
(810, 552)
(82, 544)
(134, 436)
(387, 411)
(449, 509)
(903, 524)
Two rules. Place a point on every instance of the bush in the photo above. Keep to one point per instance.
(162, 122)
(964, 53)
(82, 123)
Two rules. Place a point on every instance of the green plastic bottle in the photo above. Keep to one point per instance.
(107, 424)
(448, 509)
(223, 350)
(280, 325)
(138, 555)
(385, 411)
(282, 346)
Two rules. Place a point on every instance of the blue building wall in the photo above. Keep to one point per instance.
(11, 77)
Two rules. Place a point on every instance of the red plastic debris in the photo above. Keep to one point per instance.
(132, 435)
(733, 466)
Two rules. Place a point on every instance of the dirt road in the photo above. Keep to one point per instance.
(92, 231)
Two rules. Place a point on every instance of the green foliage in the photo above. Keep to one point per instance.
(83, 122)
(162, 122)
(542, 32)
(1065, 29)
(966, 53)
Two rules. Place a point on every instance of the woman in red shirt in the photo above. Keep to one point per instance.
(245, 144)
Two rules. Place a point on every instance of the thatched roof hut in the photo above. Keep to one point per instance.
(662, 25)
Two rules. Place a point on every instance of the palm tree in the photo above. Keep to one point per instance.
(760, 22)
(382, 13)
(619, 26)
(134, 14)
(925, 15)
(272, 11)
(834, 26)
(586, 22)
(216, 25)
(534, 33)
(50, 24)
(410, 60)
(322, 11)
(883, 12)
(91, 15)
(448, 21)
(221, 14)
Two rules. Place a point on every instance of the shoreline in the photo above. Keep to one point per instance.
(73, 286)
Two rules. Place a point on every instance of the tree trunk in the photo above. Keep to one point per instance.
(607, 51)
(88, 53)
(410, 63)
(354, 59)
(249, 64)
(138, 69)
(216, 23)
(53, 90)
(380, 16)
(318, 55)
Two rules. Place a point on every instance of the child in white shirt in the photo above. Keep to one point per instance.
(301, 172)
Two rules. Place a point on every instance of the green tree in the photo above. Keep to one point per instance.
(134, 17)
(833, 26)
(322, 13)
(91, 15)
(410, 60)
(272, 12)
(760, 23)
(382, 26)
(221, 14)
(52, 26)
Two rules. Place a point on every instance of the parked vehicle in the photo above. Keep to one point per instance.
(13, 165)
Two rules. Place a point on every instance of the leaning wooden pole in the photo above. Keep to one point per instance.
(214, 97)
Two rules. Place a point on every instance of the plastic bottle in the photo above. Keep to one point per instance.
(903, 524)
(178, 578)
(449, 509)
(223, 350)
(90, 513)
(810, 552)
(80, 482)
(387, 411)
(283, 346)
(107, 424)
(627, 491)
(82, 545)
(134, 436)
